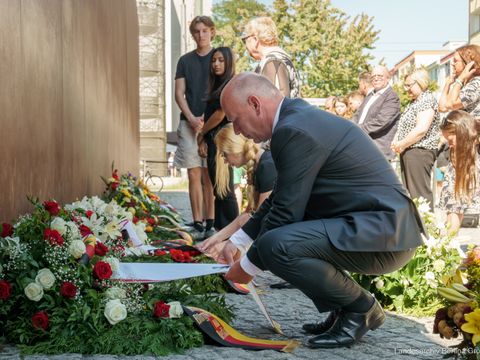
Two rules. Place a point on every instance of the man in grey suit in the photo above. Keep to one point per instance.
(379, 113)
(337, 206)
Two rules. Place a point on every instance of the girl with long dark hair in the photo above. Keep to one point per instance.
(222, 70)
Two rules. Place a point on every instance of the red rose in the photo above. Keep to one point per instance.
(102, 270)
(89, 213)
(151, 221)
(135, 220)
(68, 290)
(6, 230)
(40, 320)
(100, 249)
(85, 230)
(5, 290)
(53, 237)
(180, 256)
(161, 310)
(114, 186)
(160, 252)
(52, 207)
(115, 174)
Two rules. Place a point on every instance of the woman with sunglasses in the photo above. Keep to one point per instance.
(462, 87)
(222, 70)
(417, 136)
(237, 150)
(461, 188)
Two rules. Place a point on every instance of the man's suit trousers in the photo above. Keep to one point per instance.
(302, 254)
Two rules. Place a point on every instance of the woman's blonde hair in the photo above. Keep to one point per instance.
(470, 53)
(264, 29)
(464, 155)
(420, 76)
(228, 142)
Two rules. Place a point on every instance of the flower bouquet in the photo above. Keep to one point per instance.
(413, 289)
(461, 313)
(57, 292)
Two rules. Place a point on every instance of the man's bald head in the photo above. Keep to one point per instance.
(246, 84)
(250, 102)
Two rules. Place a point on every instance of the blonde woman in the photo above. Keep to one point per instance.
(237, 150)
(417, 136)
(261, 40)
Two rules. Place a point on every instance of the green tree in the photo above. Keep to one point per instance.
(230, 16)
(329, 49)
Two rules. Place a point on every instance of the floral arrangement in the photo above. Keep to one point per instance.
(413, 289)
(461, 313)
(57, 294)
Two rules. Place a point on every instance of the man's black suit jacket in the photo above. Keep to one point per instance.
(329, 169)
(381, 120)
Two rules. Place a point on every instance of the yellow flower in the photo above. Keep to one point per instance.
(126, 192)
(143, 206)
(472, 325)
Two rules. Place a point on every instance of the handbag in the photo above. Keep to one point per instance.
(470, 220)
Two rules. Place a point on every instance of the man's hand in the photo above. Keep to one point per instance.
(229, 254)
(236, 274)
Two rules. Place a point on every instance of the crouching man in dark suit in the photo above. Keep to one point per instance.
(337, 206)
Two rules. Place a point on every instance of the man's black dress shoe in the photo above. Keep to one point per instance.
(321, 327)
(349, 328)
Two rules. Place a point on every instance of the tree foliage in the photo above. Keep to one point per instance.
(230, 16)
(329, 49)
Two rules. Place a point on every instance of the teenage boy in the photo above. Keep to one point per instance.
(191, 80)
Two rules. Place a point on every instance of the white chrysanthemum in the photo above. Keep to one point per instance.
(379, 284)
(115, 311)
(45, 278)
(438, 265)
(175, 310)
(58, 224)
(77, 248)
(34, 291)
(115, 293)
(114, 263)
(73, 229)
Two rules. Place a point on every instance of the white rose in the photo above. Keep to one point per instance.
(77, 248)
(115, 293)
(114, 263)
(115, 311)
(438, 265)
(175, 310)
(379, 284)
(45, 278)
(59, 225)
(34, 291)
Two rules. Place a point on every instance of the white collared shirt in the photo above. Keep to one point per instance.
(370, 102)
(240, 238)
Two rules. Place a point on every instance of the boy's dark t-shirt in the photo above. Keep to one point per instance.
(195, 69)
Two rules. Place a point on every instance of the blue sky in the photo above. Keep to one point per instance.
(408, 25)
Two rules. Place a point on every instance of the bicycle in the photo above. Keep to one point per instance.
(154, 182)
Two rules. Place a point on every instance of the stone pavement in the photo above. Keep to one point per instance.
(401, 336)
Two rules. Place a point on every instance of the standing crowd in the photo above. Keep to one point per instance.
(323, 196)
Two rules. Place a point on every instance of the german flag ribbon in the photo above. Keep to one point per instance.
(224, 334)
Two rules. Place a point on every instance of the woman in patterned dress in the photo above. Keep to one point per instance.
(461, 188)
(462, 87)
(417, 136)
